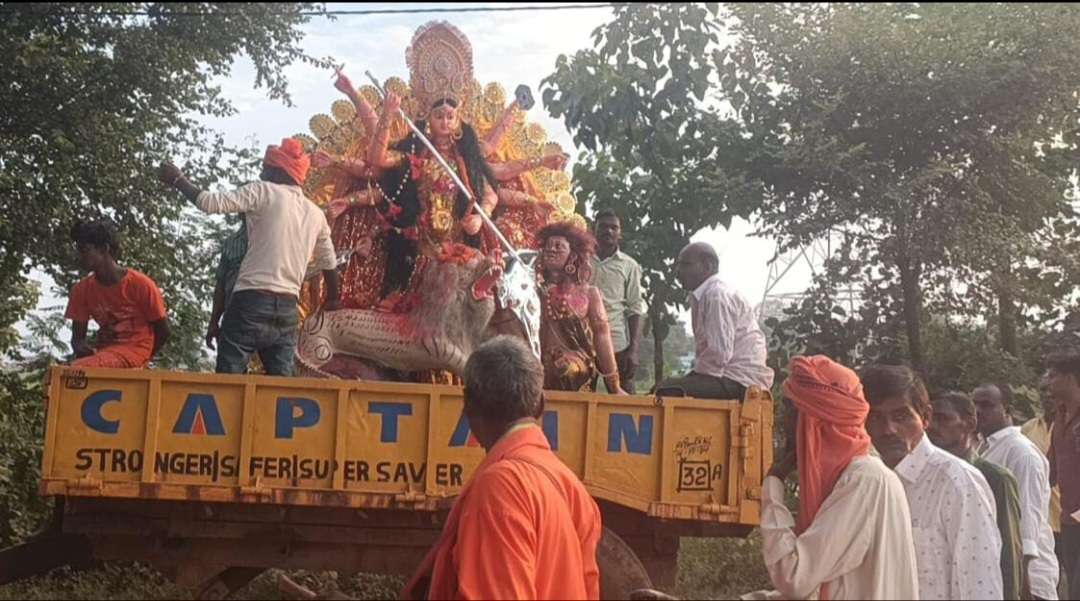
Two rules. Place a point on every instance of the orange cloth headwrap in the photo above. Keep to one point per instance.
(290, 158)
(831, 431)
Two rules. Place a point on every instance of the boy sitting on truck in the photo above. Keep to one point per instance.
(125, 303)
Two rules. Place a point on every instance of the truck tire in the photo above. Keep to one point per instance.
(620, 569)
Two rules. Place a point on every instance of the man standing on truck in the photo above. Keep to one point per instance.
(524, 527)
(284, 230)
(854, 524)
(618, 277)
(125, 303)
(729, 347)
(231, 256)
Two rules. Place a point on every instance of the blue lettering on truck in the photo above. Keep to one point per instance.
(390, 413)
(199, 415)
(91, 411)
(287, 420)
(637, 437)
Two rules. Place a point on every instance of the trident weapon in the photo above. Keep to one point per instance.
(517, 288)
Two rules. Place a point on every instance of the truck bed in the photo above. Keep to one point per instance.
(211, 438)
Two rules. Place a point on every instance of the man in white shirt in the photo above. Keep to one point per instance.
(853, 538)
(285, 230)
(730, 349)
(953, 514)
(1005, 445)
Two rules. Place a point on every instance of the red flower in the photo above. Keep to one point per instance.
(410, 233)
(394, 211)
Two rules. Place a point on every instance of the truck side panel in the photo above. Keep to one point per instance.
(156, 434)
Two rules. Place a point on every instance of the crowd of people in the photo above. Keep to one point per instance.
(956, 504)
(902, 494)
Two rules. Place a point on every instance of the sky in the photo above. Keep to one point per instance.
(508, 47)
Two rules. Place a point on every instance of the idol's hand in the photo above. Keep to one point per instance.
(472, 224)
(555, 161)
(335, 208)
(344, 84)
(392, 102)
(363, 245)
(322, 159)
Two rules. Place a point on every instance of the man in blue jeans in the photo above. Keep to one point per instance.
(284, 231)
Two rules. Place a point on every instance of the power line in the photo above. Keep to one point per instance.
(372, 11)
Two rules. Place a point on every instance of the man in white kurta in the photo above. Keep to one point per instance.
(853, 539)
(859, 543)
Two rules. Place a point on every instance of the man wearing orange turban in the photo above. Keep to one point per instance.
(290, 158)
(285, 230)
(852, 538)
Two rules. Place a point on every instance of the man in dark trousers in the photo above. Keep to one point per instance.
(284, 230)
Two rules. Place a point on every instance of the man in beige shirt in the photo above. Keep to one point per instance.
(1038, 430)
(285, 230)
(618, 277)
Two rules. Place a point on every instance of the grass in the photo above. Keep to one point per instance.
(720, 568)
(708, 569)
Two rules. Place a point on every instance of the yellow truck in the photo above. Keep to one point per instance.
(214, 478)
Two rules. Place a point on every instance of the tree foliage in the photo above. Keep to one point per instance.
(94, 100)
(935, 142)
(660, 150)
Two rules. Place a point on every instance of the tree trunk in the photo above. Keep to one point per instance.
(909, 284)
(659, 332)
(1007, 314)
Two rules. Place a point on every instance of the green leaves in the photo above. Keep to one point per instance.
(911, 129)
(659, 154)
(94, 103)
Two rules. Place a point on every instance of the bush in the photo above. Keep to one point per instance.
(22, 426)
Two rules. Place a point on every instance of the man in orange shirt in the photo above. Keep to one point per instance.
(524, 526)
(126, 305)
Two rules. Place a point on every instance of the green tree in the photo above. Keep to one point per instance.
(659, 149)
(935, 140)
(96, 98)
(678, 344)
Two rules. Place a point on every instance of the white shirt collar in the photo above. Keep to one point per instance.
(700, 290)
(1002, 434)
(912, 466)
(618, 254)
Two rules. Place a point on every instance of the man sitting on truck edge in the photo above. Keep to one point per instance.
(125, 303)
(729, 347)
(523, 527)
(284, 230)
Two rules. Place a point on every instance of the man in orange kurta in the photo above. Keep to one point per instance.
(524, 526)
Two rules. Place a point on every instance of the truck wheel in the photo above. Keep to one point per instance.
(620, 569)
